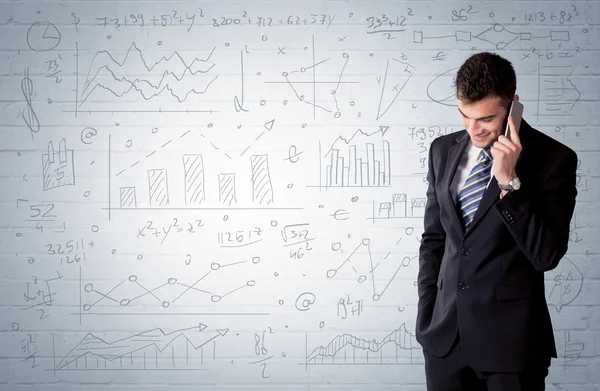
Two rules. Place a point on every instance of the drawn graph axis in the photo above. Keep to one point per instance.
(399, 347)
(153, 349)
(295, 85)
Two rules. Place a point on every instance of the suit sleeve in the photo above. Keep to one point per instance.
(433, 239)
(539, 221)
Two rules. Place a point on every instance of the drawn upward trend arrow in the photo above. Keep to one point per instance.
(154, 338)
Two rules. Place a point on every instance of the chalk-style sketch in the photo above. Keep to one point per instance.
(442, 89)
(43, 36)
(158, 188)
(557, 93)
(28, 114)
(397, 74)
(262, 190)
(497, 35)
(361, 262)
(399, 347)
(353, 162)
(131, 290)
(238, 103)
(193, 168)
(570, 351)
(58, 168)
(227, 189)
(265, 166)
(308, 87)
(400, 207)
(127, 198)
(567, 284)
(305, 301)
(171, 75)
(153, 349)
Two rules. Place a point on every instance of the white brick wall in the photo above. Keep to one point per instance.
(157, 249)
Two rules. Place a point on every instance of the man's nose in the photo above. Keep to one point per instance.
(473, 125)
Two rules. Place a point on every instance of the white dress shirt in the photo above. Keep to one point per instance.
(469, 159)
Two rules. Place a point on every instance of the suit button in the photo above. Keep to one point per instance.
(462, 286)
(465, 251)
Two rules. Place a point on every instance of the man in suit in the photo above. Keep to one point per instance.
(497, 217)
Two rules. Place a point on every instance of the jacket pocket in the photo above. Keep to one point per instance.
(511, 292)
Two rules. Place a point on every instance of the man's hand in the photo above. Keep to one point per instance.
(505, 153)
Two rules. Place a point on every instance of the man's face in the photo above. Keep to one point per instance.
(483, 120)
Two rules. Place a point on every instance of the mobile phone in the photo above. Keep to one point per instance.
(516, 111)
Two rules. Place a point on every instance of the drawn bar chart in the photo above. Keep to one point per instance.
(352, 170)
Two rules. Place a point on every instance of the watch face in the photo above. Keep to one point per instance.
(515, 183)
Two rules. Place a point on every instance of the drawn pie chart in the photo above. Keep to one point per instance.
(43, 36)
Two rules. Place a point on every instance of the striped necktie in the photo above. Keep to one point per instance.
(473, 189)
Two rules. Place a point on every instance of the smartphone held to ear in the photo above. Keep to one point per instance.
(516, 111)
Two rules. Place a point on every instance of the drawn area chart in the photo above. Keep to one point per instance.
(245, 196)
(152, 349)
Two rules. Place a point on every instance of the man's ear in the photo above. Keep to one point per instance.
(516, 97)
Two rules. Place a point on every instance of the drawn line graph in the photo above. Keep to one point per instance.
(172, 289)
(107, 73)
(360, 260)
(148, 350)
(396, 348)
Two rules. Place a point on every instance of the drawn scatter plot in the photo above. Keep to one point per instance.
(58, 168)
(360, 264)
(134, 75)
(363, 160)
(153, 349)
(397, 74)
(132, 292)
(399, 347)
(311, 88)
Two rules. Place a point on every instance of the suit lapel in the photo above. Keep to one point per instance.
(455, 153)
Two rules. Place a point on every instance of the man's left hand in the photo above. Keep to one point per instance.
(505, 152)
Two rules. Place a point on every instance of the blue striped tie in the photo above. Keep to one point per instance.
(473, 189)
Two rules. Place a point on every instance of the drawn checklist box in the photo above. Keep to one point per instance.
(58, 167)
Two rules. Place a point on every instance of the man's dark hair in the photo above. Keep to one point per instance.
(485, 74)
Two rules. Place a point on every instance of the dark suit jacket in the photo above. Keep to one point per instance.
(489, 281)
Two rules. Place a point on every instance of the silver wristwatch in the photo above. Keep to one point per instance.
(514, 184)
